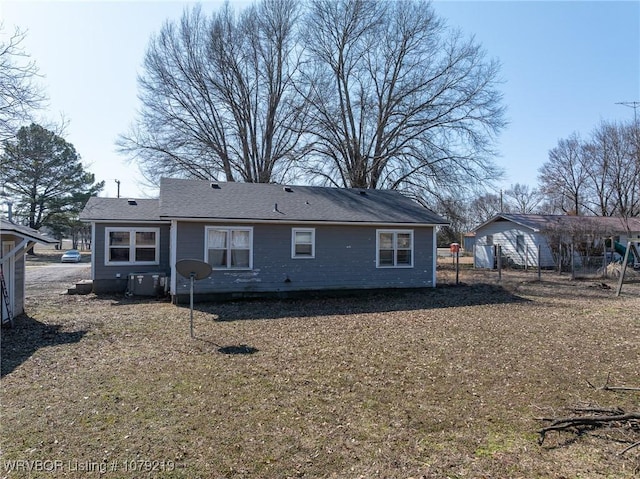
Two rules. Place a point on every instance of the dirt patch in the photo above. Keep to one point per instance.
(446, 382)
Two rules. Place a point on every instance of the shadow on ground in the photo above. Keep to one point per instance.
(20, 342)
(378, 301)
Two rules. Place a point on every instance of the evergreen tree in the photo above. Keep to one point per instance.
(44, 175)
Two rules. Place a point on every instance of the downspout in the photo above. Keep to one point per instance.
(434, 255)
(173, 258)
(93, 250)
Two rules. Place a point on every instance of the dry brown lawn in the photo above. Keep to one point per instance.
(440, 383)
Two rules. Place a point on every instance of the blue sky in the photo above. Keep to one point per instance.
(565, 65)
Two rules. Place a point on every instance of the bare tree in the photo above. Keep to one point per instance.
(218, 96)
(599, 176)
(564, 176)
(523, 199)
(19, 92)
(398, 100)
(599, 166)
(456, 210)
(616, 182)
(486, 206)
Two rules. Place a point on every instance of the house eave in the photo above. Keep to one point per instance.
(33, 239)
(129, 221)
(506, 218)
(303, 222)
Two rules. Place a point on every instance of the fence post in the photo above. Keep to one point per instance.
(499, 250)
(604, 259)
(560, 257)
(539, 265)
(623, 268)
(573, 266)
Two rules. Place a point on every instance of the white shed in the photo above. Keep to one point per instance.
(520, 235)
(15, 242)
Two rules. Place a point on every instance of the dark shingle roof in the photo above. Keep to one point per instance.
(120, 209)
(269, 202)
(195, 199)
(25, 232)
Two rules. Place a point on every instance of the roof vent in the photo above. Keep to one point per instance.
(363, 192)
(132, 202)
(215, 186)
(287, 189)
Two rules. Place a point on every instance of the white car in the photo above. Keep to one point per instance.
(71, 256)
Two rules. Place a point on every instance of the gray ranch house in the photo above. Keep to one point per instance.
(520, 235)
(16, 241)
(261, 239)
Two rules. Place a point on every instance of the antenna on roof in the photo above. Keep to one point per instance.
(631, 104)
(275, 208)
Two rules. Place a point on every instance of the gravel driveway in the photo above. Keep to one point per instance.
(60, 276)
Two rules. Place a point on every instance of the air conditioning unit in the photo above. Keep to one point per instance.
(147, 284)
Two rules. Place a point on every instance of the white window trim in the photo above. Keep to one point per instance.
(394, 266)
(228, 229)
(132, 246)
(293, 243)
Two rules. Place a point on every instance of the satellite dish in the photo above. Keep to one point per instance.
(194, 269)
(199, 269)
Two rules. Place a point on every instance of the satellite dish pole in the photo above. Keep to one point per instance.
(194, 269)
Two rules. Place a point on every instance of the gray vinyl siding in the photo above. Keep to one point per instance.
(113, 278)
(345, 258)
(505, 234)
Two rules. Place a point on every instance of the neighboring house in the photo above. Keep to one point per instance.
(263, 238)
(16, 241)
(519, 236)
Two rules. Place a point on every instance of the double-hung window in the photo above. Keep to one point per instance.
(395, 249)
(229, 247)
(303, 243)
(132, 246)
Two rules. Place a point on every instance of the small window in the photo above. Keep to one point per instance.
(489, 240)
(520, 243)
(132, 246)
(303, 243)
(395, 249)
(229, 248)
